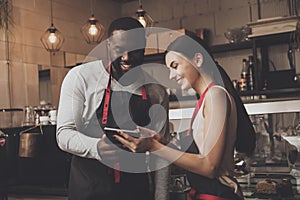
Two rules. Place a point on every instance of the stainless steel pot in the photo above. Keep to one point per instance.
(30, 144)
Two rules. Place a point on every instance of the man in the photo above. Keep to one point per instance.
(115, 93)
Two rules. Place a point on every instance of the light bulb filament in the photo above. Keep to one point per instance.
(52, 38)
(93, 30)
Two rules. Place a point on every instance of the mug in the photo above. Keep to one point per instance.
(52, 116)
(44, 120)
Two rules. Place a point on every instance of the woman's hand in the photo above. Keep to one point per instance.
(107, 150)
(142, 144)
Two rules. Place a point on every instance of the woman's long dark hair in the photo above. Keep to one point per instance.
(188, 47)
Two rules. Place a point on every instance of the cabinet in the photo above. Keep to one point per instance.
(47, 173)
(268, 82)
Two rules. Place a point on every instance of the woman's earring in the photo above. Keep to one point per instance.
(198, 59)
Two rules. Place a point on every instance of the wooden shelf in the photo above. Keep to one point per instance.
(275, 39)
(231, 47)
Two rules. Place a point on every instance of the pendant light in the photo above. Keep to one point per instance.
(92, 31)
(52, 39)
(143, 17)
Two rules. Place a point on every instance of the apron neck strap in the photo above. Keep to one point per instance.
(107, 96)
(108, 93)
(197, 108)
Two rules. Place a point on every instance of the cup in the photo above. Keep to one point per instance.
(52, 116)
(44, 120)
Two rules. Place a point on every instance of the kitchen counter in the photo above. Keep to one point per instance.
(249, 194)
(46, 173)
(184, 109)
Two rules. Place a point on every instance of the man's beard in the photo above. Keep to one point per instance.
(119, 68)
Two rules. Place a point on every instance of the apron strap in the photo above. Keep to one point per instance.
(107, 97)
(117, 174)
(199, 103)
(194, 196)
(144, 94)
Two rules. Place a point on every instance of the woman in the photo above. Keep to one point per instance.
(207, 152)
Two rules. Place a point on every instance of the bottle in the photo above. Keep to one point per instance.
(263, 142)
(244, 76)
(251, 73)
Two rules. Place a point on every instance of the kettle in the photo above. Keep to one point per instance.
(28, 118)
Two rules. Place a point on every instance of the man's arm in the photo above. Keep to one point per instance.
(69, 119)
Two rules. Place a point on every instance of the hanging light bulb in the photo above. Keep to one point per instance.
(143, 17)
(142, 20)
(52, 39)
(92, 31)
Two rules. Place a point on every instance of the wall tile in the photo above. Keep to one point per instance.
(34, 20)
(203, 7)
(177, 11)
(56, 77)
(31, 37)
(16, 52)
(4, 101)
(214, 5)
(189, 8)
(129, 9)
(76, 45)
(227, 19)
(35, 55)
(2, 50)
(18, 85)
(170, 24)
(160, 11)
(32, 84)
(232, 4)
(2, 35)
(16, 34)
(194, 22)
(4, 91)
(15, 16)
(28, 4)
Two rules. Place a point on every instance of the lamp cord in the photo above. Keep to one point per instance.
(51, 8)
(6, 27)
(92, 2)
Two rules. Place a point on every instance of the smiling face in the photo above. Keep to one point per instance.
(124, 53)
(181, 70)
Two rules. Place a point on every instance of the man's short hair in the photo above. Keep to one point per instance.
(135, 31)
(124, 23)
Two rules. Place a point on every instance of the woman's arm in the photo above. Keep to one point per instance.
(216, 111)
(162, 176)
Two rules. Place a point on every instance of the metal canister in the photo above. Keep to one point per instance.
(30, 144)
